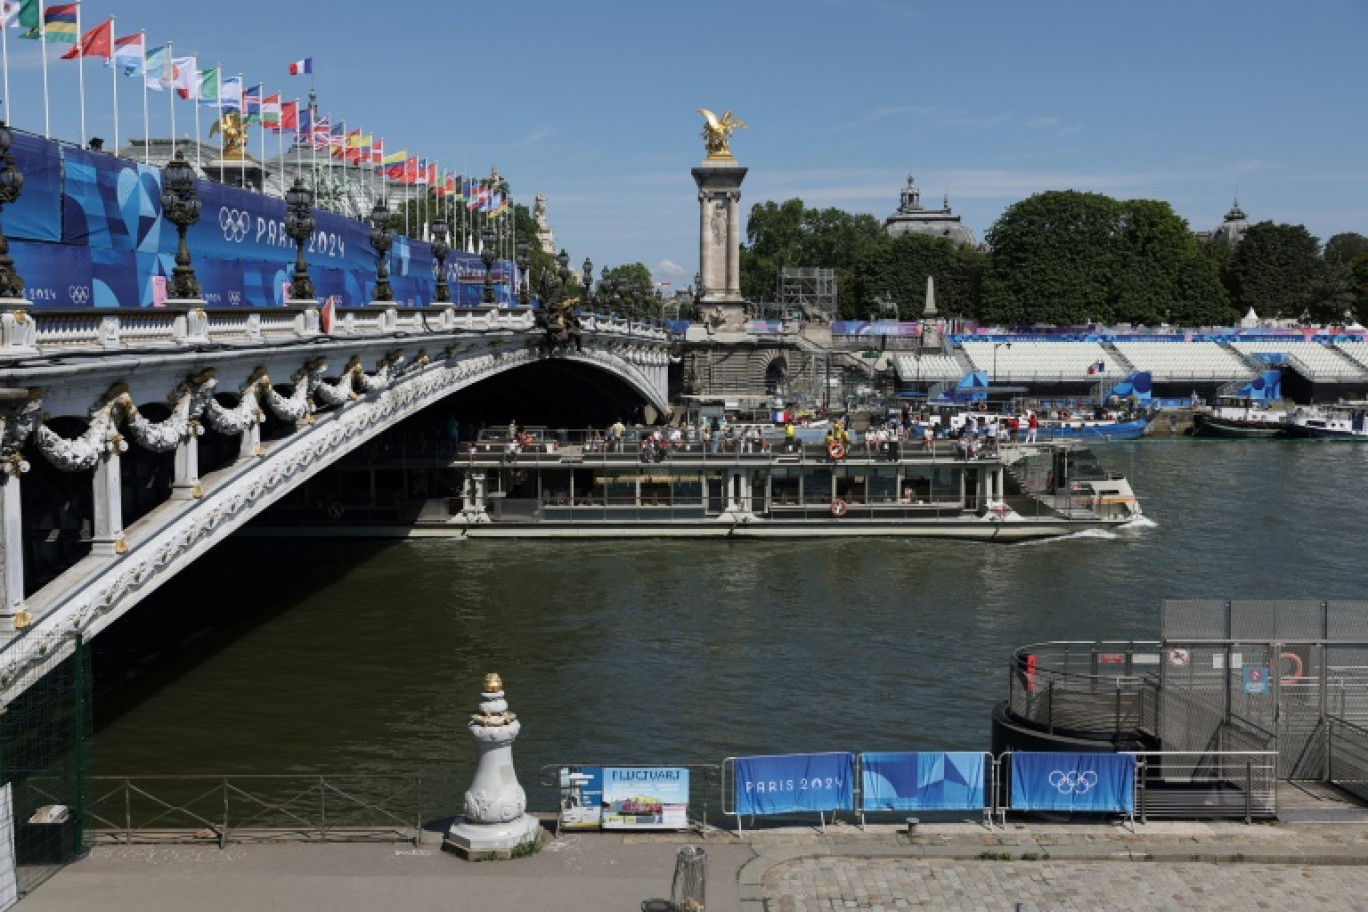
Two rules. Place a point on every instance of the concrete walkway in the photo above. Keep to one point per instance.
(789, 868)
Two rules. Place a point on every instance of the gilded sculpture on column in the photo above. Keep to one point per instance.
(716, 133)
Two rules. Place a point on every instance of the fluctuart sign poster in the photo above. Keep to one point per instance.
(652, 798)
(581, 797)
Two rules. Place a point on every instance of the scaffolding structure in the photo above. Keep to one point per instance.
(808, 294)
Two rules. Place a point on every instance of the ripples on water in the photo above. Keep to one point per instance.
(298, 656)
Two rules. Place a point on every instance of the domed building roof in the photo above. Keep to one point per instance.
(1233, 229)
(911, 218)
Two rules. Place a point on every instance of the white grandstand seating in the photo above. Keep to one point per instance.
(1185, 361)
(1313, 360)
(935, 368)
(1044, 361)
(1358, 351)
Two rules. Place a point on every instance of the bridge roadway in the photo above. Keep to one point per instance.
(78, 388)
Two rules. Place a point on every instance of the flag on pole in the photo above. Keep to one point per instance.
(58, 23)
(128, 55)
(98, 42)
(30, 17)
(230, 94)
(159, 69)
(272, 112)
(302, 67)
(9, 13)
(251, 104)
(395, 158)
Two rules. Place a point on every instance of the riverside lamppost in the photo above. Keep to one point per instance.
(181, 207)
(440, 249)
(381, 237)
(587, 277)
(487, 256)
(299, 225)
(563, 271)
(524, 254)
(11, 183)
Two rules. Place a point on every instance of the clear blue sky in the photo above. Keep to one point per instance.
(593, 103)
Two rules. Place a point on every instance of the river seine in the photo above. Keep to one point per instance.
(302, 656)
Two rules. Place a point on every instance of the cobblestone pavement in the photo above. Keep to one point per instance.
(885, 884)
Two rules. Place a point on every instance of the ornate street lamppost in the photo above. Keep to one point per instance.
(11, 183)
(563, 272)
(440, 248)
(381, 237)
(587, 277)
(487, 256)
(524, 254)
(182, 207)
(660, 304)
(299, 225)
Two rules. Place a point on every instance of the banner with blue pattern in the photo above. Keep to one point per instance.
(783, 783)
(37, 214)
(924, 781)
(1073, 782)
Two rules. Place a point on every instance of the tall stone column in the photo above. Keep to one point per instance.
(108, 537)
(719, 240)
(186, 484)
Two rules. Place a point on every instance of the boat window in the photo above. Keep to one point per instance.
(928, 484)
(850, 485)
(655, 490)
(817, 485)
(617, 488)
(784, 487)
(686, 489)
(881, 485)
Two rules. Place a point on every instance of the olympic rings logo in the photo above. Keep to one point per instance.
(235, 223)
(1073, 782)
(80, 294)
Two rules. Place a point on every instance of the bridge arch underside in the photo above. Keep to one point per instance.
(163, 518)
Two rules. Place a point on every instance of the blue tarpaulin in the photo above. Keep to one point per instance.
(925, 781)
(1073, 782)
(783, 783)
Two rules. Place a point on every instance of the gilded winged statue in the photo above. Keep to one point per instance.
(716, 132)
(234, 135)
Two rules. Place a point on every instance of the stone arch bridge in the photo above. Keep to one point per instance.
(81, 389)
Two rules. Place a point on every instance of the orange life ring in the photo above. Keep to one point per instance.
(1297, 668)
(839, 508)
(1064, 415)
(836, 450)
(983, 406)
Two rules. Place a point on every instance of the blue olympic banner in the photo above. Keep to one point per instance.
(925, 781)
(795, 782)
(1073, 782)
(113, 203)
(37, 214)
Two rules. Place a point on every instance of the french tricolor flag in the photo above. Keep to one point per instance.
(302, 67)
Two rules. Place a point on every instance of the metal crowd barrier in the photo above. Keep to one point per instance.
(1204, 784)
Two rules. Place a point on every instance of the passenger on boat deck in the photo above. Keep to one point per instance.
(617, 434)
(1032, 425)
(869, 439)
(928, 438)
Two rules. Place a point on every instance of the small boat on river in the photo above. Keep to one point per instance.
(543, 487)
(1237, 417)
(1343, 421)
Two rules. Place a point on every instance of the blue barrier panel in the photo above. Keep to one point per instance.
(37, 214)
(925, 781)
(112, 202)
(784, 783)
(1073, 782)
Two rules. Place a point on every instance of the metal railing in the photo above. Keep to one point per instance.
(266, 808)
(1348, 756)
(1103, 690)
(1206, 784)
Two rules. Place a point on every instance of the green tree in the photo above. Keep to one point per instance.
(1162, 276)
(629, 292)
(898, 267)
(1275, 270)
(1053, 258)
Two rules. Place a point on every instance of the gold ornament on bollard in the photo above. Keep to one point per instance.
(716, 132)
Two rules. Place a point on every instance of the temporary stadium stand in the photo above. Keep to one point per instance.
(927, 368)
(1355, 351)
(1044, 361)
(1186, 361)
(1316, 362)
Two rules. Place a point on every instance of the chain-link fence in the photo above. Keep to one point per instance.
(44, 739)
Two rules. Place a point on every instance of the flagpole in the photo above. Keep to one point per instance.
(80, 76)
(42, 40)
(171, 93)
(4, 52)
(195, 100)
(218, 100)
(114, 72)
(147, 129)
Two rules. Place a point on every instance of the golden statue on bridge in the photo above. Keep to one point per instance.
(234, 130)
(717, 131)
